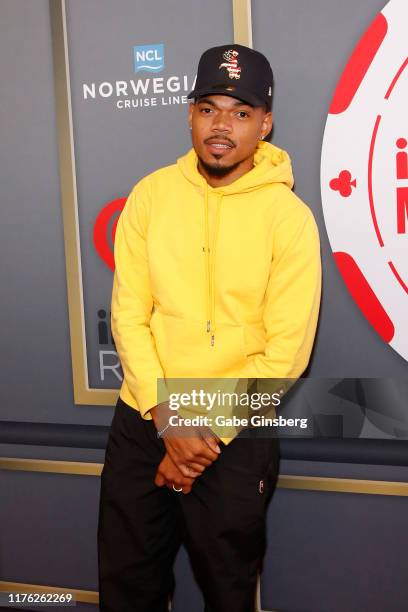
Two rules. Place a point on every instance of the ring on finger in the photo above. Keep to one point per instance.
(177, 490)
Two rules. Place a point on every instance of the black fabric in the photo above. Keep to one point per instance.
(141, 526)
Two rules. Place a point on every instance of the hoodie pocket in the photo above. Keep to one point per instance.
(184, 347)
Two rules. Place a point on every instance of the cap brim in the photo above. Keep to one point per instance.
(232, 92)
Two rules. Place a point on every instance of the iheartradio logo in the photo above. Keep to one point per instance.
(105, 230)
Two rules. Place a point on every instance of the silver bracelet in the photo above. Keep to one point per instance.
(160, 433)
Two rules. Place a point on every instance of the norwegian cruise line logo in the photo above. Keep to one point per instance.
(148, 58)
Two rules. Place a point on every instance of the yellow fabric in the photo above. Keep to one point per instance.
(214, 282)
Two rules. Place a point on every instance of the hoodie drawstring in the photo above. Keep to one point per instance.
(212, 270)
(210, 263)
(207, 260)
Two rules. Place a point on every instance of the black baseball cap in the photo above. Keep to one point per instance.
(236, 71)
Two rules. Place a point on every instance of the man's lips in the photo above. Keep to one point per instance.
(219, 141)
(219, 145)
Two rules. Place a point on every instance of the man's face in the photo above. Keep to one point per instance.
(225, 133)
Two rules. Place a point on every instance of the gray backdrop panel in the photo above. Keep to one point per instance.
(116, 147)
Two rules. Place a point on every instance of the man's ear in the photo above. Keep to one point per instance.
(267, 123)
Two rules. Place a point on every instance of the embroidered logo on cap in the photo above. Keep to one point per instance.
(231, 64)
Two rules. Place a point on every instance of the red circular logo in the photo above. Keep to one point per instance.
(364, 175)
(105, 229)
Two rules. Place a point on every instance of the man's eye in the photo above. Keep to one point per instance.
(242, 114)
(206, 110)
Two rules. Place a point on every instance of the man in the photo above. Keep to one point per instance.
(217, 277)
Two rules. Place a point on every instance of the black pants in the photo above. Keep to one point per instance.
(221, 522)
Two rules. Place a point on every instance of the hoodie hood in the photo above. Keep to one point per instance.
(271, 165)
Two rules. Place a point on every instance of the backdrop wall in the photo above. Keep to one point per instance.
(48, 520)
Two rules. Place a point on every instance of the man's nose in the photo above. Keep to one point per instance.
(222, 122)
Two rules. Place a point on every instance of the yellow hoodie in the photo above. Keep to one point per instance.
(214, 282)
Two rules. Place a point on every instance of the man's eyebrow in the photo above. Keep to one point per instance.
(211, 103)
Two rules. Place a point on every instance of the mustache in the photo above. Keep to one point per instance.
(219, 139)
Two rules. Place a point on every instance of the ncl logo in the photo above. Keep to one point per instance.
(149, 58)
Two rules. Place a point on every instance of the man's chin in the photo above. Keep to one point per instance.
(218, 168)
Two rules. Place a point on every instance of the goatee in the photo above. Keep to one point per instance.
(217, 171)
